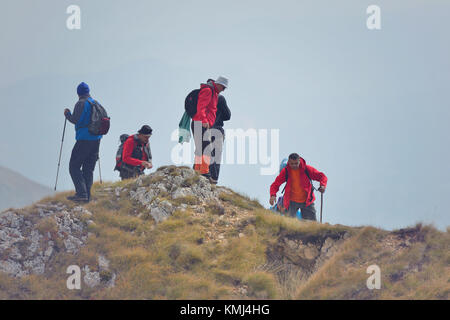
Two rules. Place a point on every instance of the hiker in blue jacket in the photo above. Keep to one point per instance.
(85, 151)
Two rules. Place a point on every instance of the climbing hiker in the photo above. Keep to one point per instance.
(136, 154)
(91, 123)
(299, 189)
(223, 114)
(204, 119)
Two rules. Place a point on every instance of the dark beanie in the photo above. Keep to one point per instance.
(83, 89)
(145, 130)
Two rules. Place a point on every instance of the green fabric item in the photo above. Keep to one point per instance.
(184, 129)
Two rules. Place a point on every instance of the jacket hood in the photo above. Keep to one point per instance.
(210, 83)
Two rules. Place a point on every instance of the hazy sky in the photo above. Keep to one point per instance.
(369, 108)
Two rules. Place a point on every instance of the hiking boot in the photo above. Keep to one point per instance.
(212, 180)
(78, 198)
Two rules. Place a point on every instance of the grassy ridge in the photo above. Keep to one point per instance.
(223, 253)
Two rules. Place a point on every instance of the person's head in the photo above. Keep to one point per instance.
(82, 89)
(144, 133)
(294, 161)
(221, 84)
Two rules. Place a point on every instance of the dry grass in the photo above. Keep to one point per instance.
(238, 200)
(172, 260)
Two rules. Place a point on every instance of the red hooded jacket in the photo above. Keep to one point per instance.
(304, 181)
(129, 147)
(207, 104)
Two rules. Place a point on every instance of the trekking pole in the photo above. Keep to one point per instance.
(99, 170)
(60, 151)
(321, 206)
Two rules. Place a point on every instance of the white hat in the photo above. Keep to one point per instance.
(223, 81)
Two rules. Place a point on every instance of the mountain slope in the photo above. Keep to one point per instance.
(17, 191)
(171, 235)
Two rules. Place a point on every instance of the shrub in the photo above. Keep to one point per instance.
(262, 285)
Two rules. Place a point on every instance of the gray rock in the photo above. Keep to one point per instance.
(91, 279)
(103, 263)
(182, 192)
(72, 244)
(12, 268)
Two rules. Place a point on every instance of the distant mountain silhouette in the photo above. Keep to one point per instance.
(18, 191)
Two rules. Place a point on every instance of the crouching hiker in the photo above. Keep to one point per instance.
(299, 190)
(88, 117)
(136, 154)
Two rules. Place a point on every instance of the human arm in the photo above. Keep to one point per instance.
(316, 175)
(276, 184)
(77, 112)
(204, 98)
(226, 113)
(128, 147)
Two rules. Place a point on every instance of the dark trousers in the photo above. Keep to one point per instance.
(129, 172)
(216, 156)
(82, 164)
(308, 213)
(202, 139)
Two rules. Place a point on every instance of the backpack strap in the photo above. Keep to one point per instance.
(92, 103)
(287, 176)
(312, 186)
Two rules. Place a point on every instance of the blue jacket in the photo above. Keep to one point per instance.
(81, 117)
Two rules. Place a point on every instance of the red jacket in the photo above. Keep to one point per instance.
(207, 104)
(129, 146)
(304, 181)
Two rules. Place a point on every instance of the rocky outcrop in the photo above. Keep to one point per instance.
(171, 188)
(29, 238)
(29, 241)
(303, 254)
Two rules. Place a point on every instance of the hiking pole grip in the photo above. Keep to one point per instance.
(60, 151)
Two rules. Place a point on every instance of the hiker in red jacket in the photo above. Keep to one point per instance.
(136, 155)
(203, 120)
(298, 193)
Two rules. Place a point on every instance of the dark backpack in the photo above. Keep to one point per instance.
(100, 122)
(123, 138)
(190, 103)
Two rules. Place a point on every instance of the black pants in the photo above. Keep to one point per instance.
(201, 141)
(129, 172)
(216, 155)
(308, 213)
(82, 164)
